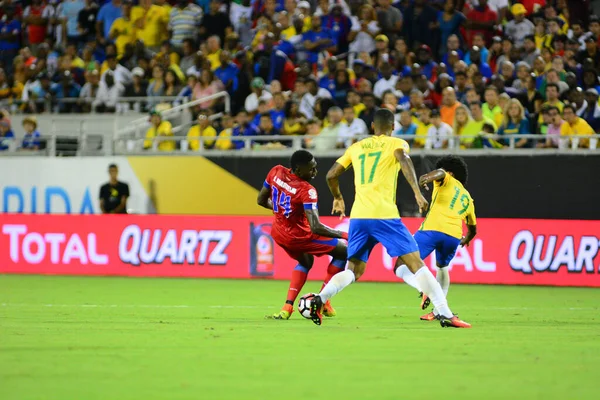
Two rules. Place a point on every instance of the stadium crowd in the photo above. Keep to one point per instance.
(455, 72)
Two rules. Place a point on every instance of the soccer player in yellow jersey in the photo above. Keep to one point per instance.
(442, 229)
(375, 218)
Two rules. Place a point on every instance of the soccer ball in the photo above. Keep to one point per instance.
(304, 304)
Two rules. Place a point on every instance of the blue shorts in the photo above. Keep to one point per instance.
(364, 234)
(444, 245)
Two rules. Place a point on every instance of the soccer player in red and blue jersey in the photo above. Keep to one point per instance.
(297, 228)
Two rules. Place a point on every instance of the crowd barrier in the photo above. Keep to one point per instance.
(506, 251)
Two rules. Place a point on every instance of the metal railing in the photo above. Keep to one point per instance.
(85, 144)
(136, 128)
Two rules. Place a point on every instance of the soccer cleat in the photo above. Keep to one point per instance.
(453, 322)
(328, 309)
(285, 313)
(425, 301)
(429, 317)
(316, 306)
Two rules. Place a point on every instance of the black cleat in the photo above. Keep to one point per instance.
(425, 301)
(316, 305)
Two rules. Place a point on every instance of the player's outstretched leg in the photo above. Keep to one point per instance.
(432, 288)
(341, 280)
(408, 277)
(335, 267)
(299, 275)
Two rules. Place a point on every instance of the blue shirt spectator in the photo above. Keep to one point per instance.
(317, 40)
(14, 27)
(107, 15)
(339, 25)
(70, 12)
(450, 21)
(228, 74)
(277, 116)
(406, 130)
(31, 141)
(328, 82)
(6, 134)
(242, 130)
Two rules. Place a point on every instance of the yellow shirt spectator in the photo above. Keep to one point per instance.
(579, 127)
(358, 109)
(164, 129)
(124, 32)
(422, 131)
(151, 24)
(78, 63)
(495, 113)
(197, 131)
(224, 140)
(215, 59)
(288, 33)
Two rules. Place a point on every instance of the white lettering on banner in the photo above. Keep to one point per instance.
(136, 247)
(33, 247)
(553, 258)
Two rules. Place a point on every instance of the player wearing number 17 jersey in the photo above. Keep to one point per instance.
(442, 229)
(297, 228)
(374, 219)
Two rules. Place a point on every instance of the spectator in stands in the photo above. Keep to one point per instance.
(591, 111)
(187, 92)
(480, 19)
(355, 126)
(36, 19)
(137, 88)
(407, 126)
(462, 118)
(449, 106)
(122, 30)
(491, 107)
(87, 21)
(520, 27)
(10, 38)
(419, 21)
(449, 22)
(184, 21)
(157, 85)
(266, 128)
(334, 135)
(365, 28)
(591, 51)
(552, 97)
(439, 134)
(339, 24)
(203, 129)
(515, 123)
(574, 126)
(531, 99)
(121, 74)
(108, 95)
(9, 88)
(31, 140)
(551, 117)
(189, 56)
(114, 194)
(294, 123)
(387, 81)
(151, 22)
(107, 15)
(390, 19)
(66, 89)
(258, 93)
(227, 72)
(215, 22)
(6, 134)
(475, 126)
(172, 84)
(159, 129)
(477, 60)
(368, 113)
(342, 86)
(90, 90)
(318, 39)
(531, 52)
(311, 93)
(242, 128)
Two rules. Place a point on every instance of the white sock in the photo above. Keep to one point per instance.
(433, 289)
(337, 284)
(443, 278)
(408, 277)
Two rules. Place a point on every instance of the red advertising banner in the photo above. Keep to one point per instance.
(506, 251)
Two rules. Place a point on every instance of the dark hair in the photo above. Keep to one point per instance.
(384, 118)
(488, 128)
(475, 103)
(288, 108)
(299, 158)
(554, 85)
(493, 88)
(570, 107)
(461, 73)
(530, 37)
(110, 166)
(456, 165)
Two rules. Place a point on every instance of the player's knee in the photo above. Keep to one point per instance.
(358, 269)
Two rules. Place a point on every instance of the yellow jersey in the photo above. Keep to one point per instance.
(358, 109)
(208, 132)
(451, 205)
(375, 176)
(164, 129)
(580, 127)
(127, 34)
(154, 27)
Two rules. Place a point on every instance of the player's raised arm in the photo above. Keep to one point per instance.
(333, 181)
(408, 170)
(436, 175)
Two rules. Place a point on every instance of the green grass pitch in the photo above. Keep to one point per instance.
(116, 338)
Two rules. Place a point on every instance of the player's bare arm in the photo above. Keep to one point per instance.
(408, 170)
(318, 228)
(436, 175)
(264, 198)
(471, 232)
(333, 181)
